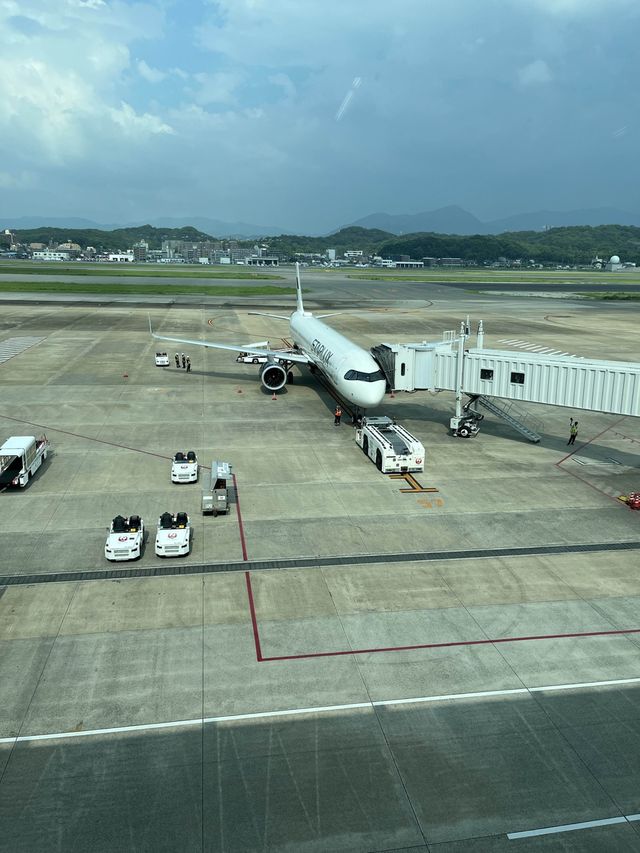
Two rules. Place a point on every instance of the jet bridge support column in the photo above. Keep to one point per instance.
(466, 422)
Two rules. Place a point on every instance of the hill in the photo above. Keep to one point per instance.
(572, 245)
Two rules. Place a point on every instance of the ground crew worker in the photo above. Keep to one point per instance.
(337, 414)
(177, 360)
(188, 365)
(573, 431)
(184, 360)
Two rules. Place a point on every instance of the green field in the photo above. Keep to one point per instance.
(121, 270)
(611, 295)
(482, 276)
(144, 289)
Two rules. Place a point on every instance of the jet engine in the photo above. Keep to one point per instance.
(273, 376)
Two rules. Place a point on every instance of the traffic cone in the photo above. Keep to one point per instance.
(274, 396)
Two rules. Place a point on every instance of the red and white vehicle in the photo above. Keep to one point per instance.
(173, 535)
(20, 458)
(184, 467)
(125, 538)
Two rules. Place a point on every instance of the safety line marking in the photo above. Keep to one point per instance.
(261, 658)
(570, 827)
(243, 542)
(320, 709)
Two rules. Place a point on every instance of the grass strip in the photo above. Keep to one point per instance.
(134, 289)
(612, 295)
(138, 272)
(475, 278)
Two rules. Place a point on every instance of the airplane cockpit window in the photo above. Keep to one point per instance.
(359, 376)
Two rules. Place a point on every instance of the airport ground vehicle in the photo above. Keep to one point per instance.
(184, 467)
(173, 535)
(389, 445)
(125, 538)
(162, 359)
(215, 497)
(20, 458)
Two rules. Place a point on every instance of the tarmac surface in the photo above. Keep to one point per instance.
(336, 665)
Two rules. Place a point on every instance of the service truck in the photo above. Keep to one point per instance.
(389, 445)
(184, 467)
(20, 458)
(173, 536)
(125, 538)
(215, 498)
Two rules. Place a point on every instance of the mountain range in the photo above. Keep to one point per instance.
(457, 220)
(214, 227)
(444, 220)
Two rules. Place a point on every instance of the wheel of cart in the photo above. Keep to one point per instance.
(378, 460)
(365, 445)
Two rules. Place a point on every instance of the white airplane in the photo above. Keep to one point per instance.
(351, 371)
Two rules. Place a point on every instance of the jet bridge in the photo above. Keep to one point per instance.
(481, 374)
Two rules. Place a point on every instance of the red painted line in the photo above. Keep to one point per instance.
(581, 446)
(87, 437)
(448, 645)
(254, 620)
(240, 524)
(262, 659)
(583, 479)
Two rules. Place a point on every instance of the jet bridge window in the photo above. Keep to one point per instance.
(517, 378)
(486, 374)
(359, 376)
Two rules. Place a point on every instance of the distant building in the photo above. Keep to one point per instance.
(331, 254)
(263, 261)
(7, 239)
(409, 265)
(353, 254)
(616, 265)
(74, 249)
(121, 257)
(450, 262)
(140, 250)
(50, 255)
(37, 247)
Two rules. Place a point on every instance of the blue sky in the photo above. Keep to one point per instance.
(309, 114)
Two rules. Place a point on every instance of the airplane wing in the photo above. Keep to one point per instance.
(299, 358)
(264, 314)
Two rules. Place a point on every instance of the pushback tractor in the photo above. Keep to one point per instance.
(390, 446)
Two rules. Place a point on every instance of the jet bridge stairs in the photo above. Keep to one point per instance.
(518, 418)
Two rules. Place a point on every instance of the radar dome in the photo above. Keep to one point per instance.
(614, 259)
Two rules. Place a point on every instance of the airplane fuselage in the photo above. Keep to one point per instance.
(351, 370)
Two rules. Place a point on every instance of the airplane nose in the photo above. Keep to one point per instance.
(372, 395)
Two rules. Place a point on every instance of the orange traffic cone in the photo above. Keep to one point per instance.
(274, 396)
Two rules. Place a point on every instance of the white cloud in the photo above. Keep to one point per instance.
(217, 88)
(152, 75)
(135, 124)
(60, 74)
(534, 73)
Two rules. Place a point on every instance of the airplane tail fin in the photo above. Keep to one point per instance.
(300, 305)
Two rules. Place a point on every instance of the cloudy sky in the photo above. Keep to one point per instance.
(309, 114)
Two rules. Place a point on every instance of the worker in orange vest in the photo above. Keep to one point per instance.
(337, 414)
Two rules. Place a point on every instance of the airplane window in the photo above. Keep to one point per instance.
(358, 375)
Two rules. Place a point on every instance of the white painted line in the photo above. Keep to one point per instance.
(320, 709)
(632, 817)
(585, 684)
(567, 827)
(449, 697)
